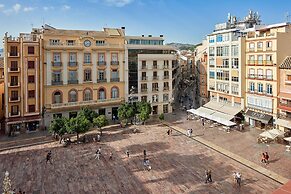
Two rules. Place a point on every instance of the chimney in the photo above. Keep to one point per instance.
(123, 29)
(150, 35)
(161, 35)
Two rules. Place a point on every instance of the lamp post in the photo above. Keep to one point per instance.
(7, 184)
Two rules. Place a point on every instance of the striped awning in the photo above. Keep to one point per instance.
(286, 64)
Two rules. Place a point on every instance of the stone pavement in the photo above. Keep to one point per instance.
(242, 143)
(178, 165)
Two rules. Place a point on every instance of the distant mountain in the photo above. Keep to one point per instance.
(181, 46)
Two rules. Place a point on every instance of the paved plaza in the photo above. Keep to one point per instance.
(178, 165)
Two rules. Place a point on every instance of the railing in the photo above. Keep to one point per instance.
(73, 81)
(144, 78)
(222, 66)
(87, 62)
(14, 99)
(155, 89)
(87, 80)
(72, 63)
(144, 89)
(260, 62)
(114, 62)
(14, 84)
(263, 92)
(57, 83)
(260, 77)
(13, 54)
(155, 77)
(101, 63)
(29, 37)
(83, 103)
(166, 66)
(57, 63)
(266, 109)
(101, 80)
(116, 79)
(14, 114)
(155, 66)
(13, 69)
(166, 77)
(143, 67)
(288, 82)
(166, 88)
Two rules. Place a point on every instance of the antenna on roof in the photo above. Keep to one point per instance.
(287, 17)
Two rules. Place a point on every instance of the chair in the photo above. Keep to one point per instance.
(288, 148)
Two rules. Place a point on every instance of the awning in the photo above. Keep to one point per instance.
(288, 139)
(284, 123)
(264, 118)
(277, 132)
(269, 135)
(223, 116)
(224, 108)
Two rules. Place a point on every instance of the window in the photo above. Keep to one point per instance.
(87, 57)
(57, 97)
(14, 80)
(114, 57)
(54, 42)
(166, 85)
(31, 108)
(143, 87)
(57, 57)
(87, 75)
(251, 46)
(252, 86)
(211, 63)
(114, 93)
(211, 74)
(269, 44)
(56, 76)
(234, 50)
(31, 94)
(165, 108)
(101, 94)
(234, 63)
(13, 51)
(155, 98)
(14, 95)
(222, 75)
(73, 57)
(268, 57)
(14, 66)
(73, 96)
(144, 98)
(70, 42)
(73, 75)
(73, 114)
(288, 77)
(14, 110)
(225, 63)
(260, 74)
(260, 88)
(30, 64)
(211, 39)
(143, 64)
(252, 73)
(211, 51)
(30, 50)
(155, 86)
(87, 95)
(31, 79)
(234, 79)
(114, 74)
(269, 89)
(260, 45)
(269, 74)
(219, 38)
(260, 59)
(222, 51)
(101, 57)
(100, 42)
(57, 115)
(166, 74)
(101, 75)
(165, 97)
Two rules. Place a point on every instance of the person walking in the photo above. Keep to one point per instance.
(168, 132)
(127, 153)
(191, 131)
(49, 157)
(238, 179)
(111, 156)
(267, 157)
(144, 154)
(263, 160)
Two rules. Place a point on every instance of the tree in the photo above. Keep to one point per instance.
(162, 117)
(58, 126)
(125, 111)
(100, 122)
(88, 113)
(79, 124)
(144, 109)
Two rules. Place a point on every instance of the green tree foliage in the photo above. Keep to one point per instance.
(144, 109)
(125, 111)
(100, 122)
(89, 113)
(162, 117)
(79, 124)
(58, 126)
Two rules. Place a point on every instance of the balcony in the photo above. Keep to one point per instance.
(223, 66)
(87, 63)
(13, 69)
(144, 89)
(14, 114)
(64, 45)
(57, 83)
(166, 77)
(288, 82)
(14, 84)
(101, 63)
(285, 106)
(102, 80)
(144, 78)
(84, 103)
(114, 62)
(57, 63)
(155, 77)
(256, 107)
(166, 88)
(155, 89)
(87, 80)
(260, 77)
(14, 99)
(13, 54)
(73, 81)
(72, 64)
(260, 63)
(116, 79)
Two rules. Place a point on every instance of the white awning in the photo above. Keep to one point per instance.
(283, 122)
(269, 135)
(277, 132)
(288, 139)
(223, 116)
(224, 108)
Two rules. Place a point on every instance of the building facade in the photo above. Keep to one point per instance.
(266, 48)
(23, 90)
(83, 68)
(151, 72)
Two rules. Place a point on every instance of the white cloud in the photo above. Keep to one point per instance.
(45, 8)
(66, 7)
(118, 3)
(28, 9)
(16, 7)
(2, 6)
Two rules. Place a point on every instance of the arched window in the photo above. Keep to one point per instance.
(87, 94)
(57, 97)
(101, 94)
(73, 96)
(114, 92)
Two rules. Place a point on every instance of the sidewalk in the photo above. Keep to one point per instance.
(235, 157)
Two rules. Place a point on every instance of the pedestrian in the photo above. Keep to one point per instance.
(206, 176)
(49, 157)
(110, 156)
(98, 138)
(191, 131)
(238, 178)
(263, 160)
(99, 150)
(127, 153)
(98, 155)
(267, 157)
(209, 176)
(144, 154)
(168, 132)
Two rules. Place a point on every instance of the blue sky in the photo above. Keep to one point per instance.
(186, 21)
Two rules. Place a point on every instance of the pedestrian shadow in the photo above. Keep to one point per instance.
(274, 160)
(248, 181)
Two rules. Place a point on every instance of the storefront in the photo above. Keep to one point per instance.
(259, 120)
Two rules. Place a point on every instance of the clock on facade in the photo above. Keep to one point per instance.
(87, 43)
